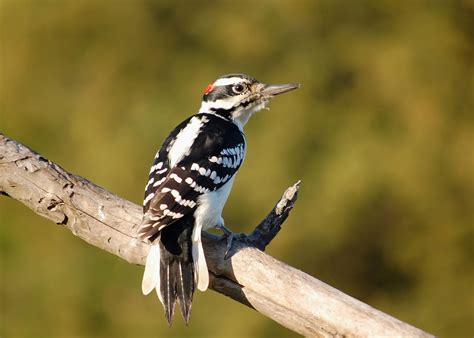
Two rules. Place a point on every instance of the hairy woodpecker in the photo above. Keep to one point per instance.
(189, 183)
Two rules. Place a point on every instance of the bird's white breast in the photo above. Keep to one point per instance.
(210, 205)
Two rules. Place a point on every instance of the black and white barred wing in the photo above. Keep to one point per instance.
(170, 201)
(159, 171)
(170, 198)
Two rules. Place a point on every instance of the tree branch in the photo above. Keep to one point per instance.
(288, 296)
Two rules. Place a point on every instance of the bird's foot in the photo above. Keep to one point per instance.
(230, 236)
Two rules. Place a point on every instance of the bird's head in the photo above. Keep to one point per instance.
(238, 96)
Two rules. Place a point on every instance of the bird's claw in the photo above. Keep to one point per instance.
(230, 240)
(230, 236)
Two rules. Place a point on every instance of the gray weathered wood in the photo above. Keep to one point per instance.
(288, 296)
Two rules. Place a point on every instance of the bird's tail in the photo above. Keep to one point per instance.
(177, 283)
(169, 269)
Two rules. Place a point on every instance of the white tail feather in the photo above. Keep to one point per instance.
(158, 287)
(201, 274)
(151, 276)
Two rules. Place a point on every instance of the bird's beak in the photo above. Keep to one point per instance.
(272, 90)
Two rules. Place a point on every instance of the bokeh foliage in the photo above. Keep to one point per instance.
(381, 134)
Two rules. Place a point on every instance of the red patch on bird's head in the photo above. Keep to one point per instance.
(210, 87)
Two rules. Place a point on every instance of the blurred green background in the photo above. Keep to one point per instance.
(381, 134)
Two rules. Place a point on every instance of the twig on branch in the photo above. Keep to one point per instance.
(288, 296)
(271, 225)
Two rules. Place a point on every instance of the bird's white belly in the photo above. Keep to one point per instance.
(209, 211)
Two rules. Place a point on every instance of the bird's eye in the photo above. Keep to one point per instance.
(238, 88)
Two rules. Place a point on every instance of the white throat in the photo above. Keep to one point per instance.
(240, 115)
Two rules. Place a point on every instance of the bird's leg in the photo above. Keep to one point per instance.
(227, 233)
(225, 230)
(231, 236)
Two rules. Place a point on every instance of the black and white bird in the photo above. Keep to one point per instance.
(189, 182)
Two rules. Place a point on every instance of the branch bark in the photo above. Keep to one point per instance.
(288, 296)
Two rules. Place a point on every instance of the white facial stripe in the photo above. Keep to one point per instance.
(219, 104)
(229, 81)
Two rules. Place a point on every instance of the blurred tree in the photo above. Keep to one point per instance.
(381, 135)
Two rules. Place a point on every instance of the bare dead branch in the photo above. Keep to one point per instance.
(284, 294)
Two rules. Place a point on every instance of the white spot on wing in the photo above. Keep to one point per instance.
(176, 195)
(176, 178)
(148, 198)
(157, 183)
(156, 167)
(149, 182)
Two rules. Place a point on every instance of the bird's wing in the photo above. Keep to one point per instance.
(173, 193)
